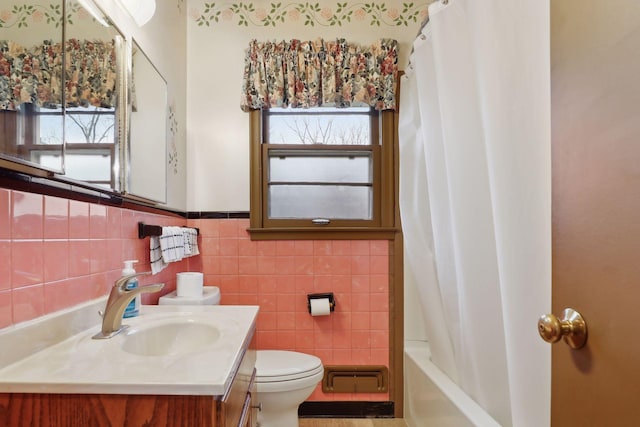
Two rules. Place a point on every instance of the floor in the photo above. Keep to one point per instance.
(352, 422)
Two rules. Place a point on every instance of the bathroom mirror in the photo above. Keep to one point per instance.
(59, 99)
(31, 87)
(94, 108)
(147, 147)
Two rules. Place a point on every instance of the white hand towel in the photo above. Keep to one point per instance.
(172, 244)
(155, 255)
(190, 241)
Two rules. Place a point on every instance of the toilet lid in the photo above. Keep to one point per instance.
(278, 365)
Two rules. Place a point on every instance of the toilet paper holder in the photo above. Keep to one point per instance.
(328, 295)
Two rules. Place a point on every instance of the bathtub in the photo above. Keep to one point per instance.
(431, 399)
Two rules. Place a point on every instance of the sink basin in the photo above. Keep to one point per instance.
(175, 337)
(166, 350)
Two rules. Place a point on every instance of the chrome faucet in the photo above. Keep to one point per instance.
(119, 297)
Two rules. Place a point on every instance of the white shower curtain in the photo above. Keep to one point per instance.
(475, 198)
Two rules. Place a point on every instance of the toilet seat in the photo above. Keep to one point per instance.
(279, 366)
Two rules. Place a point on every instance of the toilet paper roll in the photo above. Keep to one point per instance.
(189, 284)
(320, 306)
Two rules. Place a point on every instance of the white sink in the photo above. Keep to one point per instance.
(173, 337)
(179, 350)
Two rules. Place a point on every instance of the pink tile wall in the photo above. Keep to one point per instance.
(278, 275)
(56, 253)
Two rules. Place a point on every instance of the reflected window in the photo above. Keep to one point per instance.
(37, 126)
(90, 145)
(90, 141)
(93, 125)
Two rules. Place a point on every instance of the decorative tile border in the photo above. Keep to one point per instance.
(311, 14)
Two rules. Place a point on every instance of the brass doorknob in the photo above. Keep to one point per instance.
(572, 328)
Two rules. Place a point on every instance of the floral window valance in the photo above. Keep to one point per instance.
(34, 75)
(302, 74)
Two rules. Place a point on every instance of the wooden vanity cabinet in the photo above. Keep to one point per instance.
(234, 409)
(238, 410)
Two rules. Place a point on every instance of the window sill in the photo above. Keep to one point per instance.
(323, 233)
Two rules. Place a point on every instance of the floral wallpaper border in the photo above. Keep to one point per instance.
(23, 15)
(311, 14)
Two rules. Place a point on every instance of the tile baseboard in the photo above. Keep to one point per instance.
(347, 409)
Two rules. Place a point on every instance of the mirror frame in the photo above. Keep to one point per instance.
(126, 176)
(120, 42)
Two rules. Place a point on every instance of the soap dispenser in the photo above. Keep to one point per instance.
(133, 308)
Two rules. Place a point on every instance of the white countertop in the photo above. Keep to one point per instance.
(79, 364)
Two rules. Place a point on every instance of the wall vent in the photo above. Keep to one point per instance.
(355, 379)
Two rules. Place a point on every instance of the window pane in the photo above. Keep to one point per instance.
(90, 126)
(315, 201)
(51, 128)
(310, 127)
(48, 159)
(89, 167)
(348, 167)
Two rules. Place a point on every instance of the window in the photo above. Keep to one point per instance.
(328, 170)
(89, 152)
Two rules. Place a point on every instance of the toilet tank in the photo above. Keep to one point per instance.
(210, 296)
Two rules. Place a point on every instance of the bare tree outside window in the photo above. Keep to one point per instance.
(315, 130)
(91, 127)
(319, 126)
(89, 134)
(83, 126)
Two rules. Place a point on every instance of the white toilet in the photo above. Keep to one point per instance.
(284, 380)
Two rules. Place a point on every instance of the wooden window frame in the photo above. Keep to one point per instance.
(383, 132)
